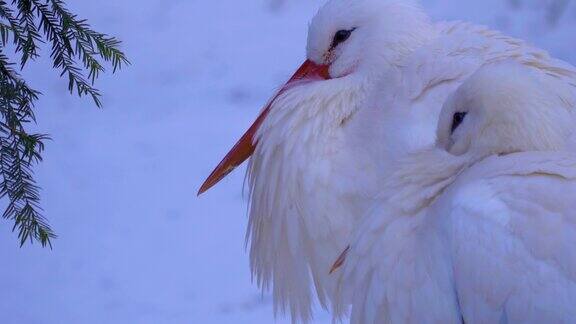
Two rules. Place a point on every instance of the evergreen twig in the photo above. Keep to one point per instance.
(76, 49)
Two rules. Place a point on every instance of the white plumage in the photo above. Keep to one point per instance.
(324, 150)
(308, 180)
(511, 233)
(479, 228)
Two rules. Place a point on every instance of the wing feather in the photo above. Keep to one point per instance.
(512, 234)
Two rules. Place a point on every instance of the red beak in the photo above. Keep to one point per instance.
(340, 261)
(246, 145)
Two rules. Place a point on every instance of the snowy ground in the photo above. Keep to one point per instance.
(119, 184)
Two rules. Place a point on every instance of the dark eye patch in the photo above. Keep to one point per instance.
(341, 36)
(457, 119)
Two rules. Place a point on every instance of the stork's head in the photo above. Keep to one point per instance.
(362, 36)
(502, 109)
(347, 38)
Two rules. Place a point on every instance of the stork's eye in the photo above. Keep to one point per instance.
(341, 36)
(457, 119)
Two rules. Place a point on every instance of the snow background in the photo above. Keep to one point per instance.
(119, 184)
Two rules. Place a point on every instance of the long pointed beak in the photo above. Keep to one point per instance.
(246, 145)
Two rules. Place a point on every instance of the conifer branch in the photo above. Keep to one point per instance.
(78, 52)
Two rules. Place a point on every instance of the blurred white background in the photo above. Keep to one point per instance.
(119, 185)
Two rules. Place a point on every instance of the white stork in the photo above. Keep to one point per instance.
(480, 228)
(320, 153)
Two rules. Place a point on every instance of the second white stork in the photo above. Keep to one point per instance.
(481, 227)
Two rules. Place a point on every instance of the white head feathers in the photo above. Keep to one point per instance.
(380, 32)
(506, 108)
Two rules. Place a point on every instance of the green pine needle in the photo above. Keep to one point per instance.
(79, 53)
